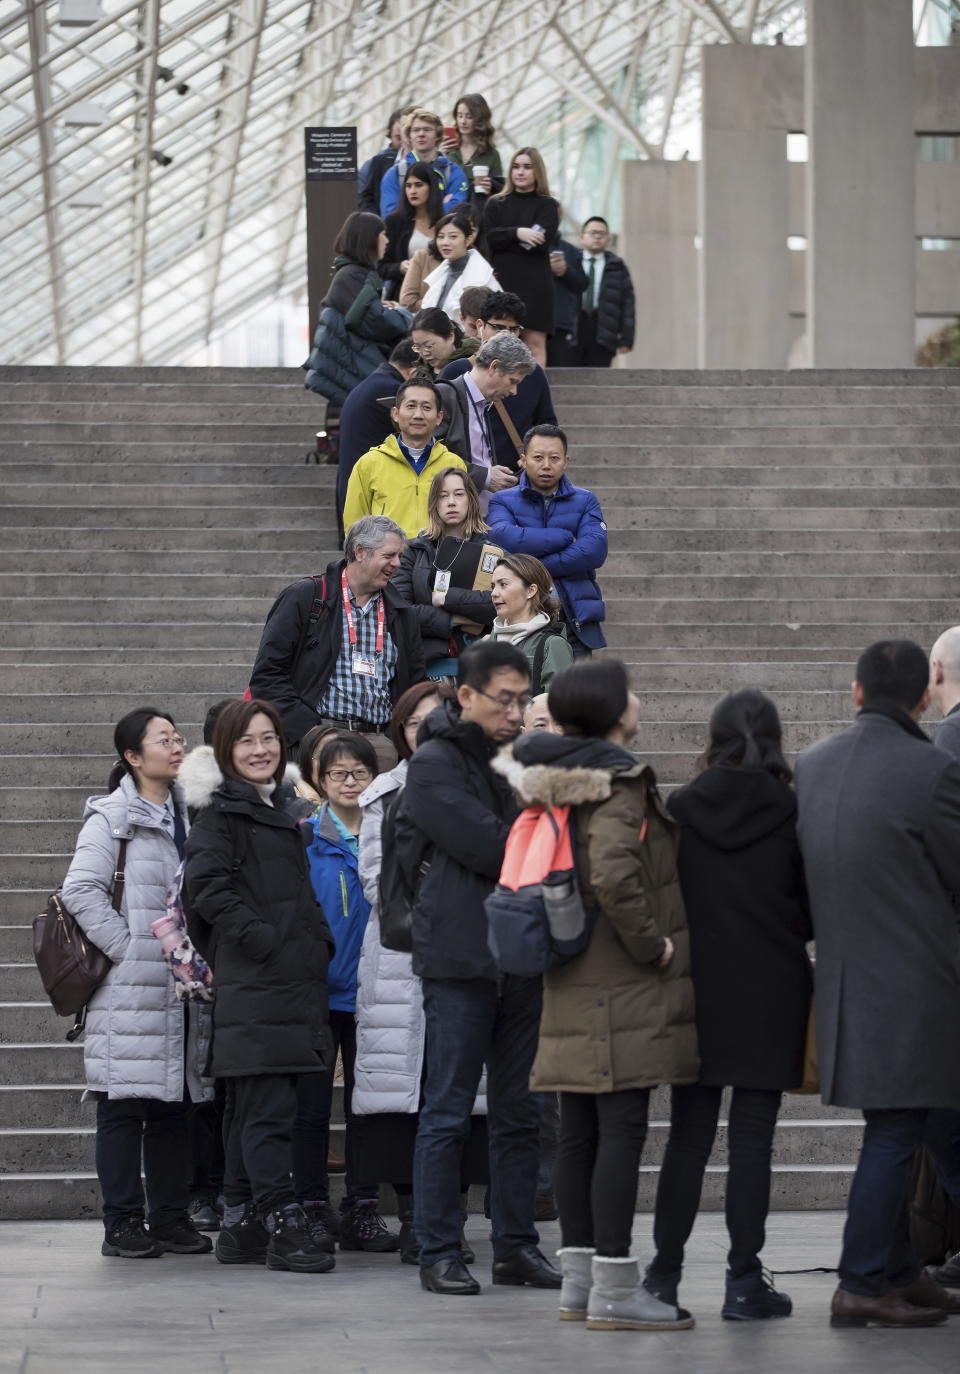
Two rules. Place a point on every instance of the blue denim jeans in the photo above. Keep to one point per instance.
(469, 1023)
(877, 1254)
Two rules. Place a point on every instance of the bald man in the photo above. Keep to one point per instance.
(945, 690)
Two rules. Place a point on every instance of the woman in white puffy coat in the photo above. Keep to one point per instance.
(144, 1050)
(390, 1023)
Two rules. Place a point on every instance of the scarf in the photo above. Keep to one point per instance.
(455, 271)
(516, 634)
(890, 709)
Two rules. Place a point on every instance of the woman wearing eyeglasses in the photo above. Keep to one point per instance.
(344, 767)
(144, 1050)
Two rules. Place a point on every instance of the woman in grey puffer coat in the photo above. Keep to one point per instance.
(145, 1050)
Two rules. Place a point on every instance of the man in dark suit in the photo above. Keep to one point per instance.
(607, 307)
(879, 827)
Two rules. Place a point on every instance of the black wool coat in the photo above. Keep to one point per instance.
(293, 664)
(252, 913)
(414, 582)
(743, 887)
(464, 810)
(880, 832)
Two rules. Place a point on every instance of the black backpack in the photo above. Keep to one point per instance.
(405, 861)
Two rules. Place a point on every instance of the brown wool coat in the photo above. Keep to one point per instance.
(611, 1019)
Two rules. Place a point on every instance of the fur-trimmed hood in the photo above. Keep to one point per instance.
(200, 776)
(555, 770)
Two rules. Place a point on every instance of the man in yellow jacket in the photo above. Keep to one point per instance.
(394, 478)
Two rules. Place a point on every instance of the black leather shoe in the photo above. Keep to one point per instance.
(450, 1276)
(527, 1266)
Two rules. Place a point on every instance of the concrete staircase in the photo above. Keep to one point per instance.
(764, 526)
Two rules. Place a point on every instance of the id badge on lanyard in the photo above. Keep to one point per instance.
(361, 666)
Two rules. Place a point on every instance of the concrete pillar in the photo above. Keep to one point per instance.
(752, 96)
(860, 183)
(659, 218)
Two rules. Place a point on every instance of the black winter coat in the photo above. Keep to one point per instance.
(465, 811)
(616, 308)
(292, 670)
(414, 582)
(742, 879)
(252, 913)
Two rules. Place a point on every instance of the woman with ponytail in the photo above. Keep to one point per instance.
(743, 888)
(145, 1049)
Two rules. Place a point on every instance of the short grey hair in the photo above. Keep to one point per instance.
(507, 351)
(369, 532)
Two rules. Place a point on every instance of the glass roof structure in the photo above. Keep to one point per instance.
(151, 152)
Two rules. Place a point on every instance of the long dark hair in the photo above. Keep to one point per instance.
(745, 731)
(129, 735)
(359, 238)
(405, 212)
(433, 320)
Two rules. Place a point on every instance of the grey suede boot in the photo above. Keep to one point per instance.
(619, 1302)
(575, 1267)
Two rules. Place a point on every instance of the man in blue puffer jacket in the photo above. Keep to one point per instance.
(562, 525)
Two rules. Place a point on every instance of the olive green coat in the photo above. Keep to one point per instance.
(612, 1019)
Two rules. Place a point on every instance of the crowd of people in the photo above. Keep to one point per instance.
(334, 843)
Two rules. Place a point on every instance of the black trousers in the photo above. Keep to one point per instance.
(589, 352)
(311, 1132)
(132, 1128)
(693, 1127)
(205, 1129)
(598, 1162)
(257, 1140)
(562, 349)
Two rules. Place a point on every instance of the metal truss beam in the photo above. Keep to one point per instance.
(37, 26)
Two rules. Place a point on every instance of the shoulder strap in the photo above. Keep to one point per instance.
(509, 426)
(119, 876)
(539, 654)
(316, 609)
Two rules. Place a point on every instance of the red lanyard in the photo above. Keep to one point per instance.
(348, 612)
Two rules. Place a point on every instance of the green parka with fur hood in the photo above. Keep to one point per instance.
(612, 1020)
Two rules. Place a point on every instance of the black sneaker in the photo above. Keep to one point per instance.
(363, 1228)
(203, 1214)
(182, 1237)
(318, 1221)
(948, 1275)
(129, 1240)
(753, 1298)
(292, 1245)
(245, 1242)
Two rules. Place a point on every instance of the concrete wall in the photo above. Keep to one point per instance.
(660, 208)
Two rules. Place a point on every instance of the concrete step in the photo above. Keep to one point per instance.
(41, 1062)
(16, 945)
(278, 408)
(114, 633)
(299, 486)
(31, 1022)
(31, 513)
(28, 1106)
(20, 982)
(230, 540)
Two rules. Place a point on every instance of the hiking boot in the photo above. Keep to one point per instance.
(316, 1214)
(292, 1246)
(203, 1214)
(576, 1268)
(129, 1240)
(662, 1286)
(948, 1274)
(619, 1302)
(363, 1228)
(753, 1298)
(182, 1237)
(245, 1242)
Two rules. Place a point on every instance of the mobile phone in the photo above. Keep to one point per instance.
(450, 131)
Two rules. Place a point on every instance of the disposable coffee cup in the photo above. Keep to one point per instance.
(480, 171)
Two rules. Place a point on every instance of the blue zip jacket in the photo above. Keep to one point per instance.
(455, 187)
(569, 536)
(336, 883)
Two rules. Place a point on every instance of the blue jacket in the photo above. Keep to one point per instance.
(336, 884)
(456, 187)
(570, 541)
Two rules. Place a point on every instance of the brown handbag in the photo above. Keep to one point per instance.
(71, 968)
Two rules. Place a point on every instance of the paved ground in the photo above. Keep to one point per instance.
(64, 1308)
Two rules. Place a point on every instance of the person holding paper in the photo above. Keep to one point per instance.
(442, 574)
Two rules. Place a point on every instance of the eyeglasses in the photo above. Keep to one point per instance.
(505, 328)
(168, 742)
(355, 774)
(506, 704)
